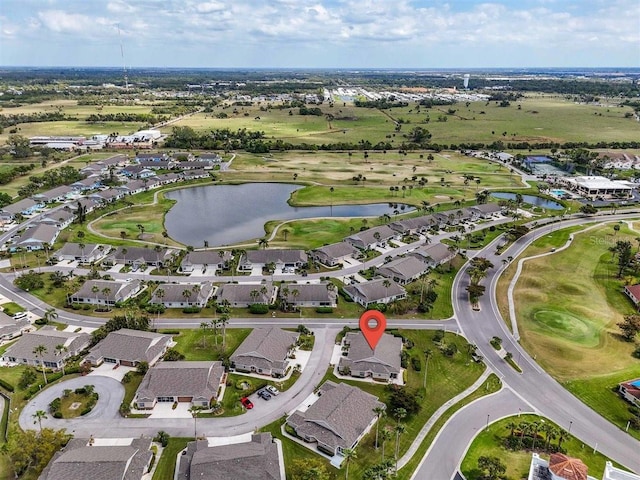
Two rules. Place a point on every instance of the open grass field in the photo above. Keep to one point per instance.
(539, 118)
(197, 345)
(490, 442)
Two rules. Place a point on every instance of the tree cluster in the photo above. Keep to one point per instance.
(31, 451)
(119, 322)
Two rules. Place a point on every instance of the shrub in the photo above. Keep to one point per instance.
(80, 391)
(162, 438)
(41, 321)
(57, 414)
(6, 386)
(636, 352)
(86, 410)
(258, 308)
(416, 364)
(324, 310)
(191, 310)
(27, 378)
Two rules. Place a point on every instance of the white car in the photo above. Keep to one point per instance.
(272, 390)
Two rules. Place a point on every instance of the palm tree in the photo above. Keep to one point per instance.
(386, 284)
(95, 289)
(264, 243)
(60, 349)
(562, 435)
(214, 324)
(39, 352)
(295, 293)
(50, 314)
(106, 291)
(399, 429)
(284, 292)
(512, 427)
(159, 296)
(427, 355)
(38, 417)
(204, 326)
(193, 410)
(385, 436)
(187, 295)
(399, 413)
(254, 294)
(124, 255)
(525, 428)
(379, 411)
(224, 320)
(348, 454)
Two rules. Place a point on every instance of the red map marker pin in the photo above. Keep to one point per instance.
(372, 324)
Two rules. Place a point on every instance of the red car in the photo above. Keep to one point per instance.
(247, 403)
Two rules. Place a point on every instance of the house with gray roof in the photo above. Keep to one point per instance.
(22, 352)
(57, 194)
(36, 237)
(372, 237)
(381, 363)
(245, 294)
(90, 183)
(26, 206)
(129, 347)
(417, 225)
(335, 253)
(259, 459)
(180, 295)
(203, 260)
(60, 218)
(375, 291)
(83, 459)
(404, 270)
(211, 157)
(137, 256)
(487, 210)
(265, 351)
(281, 258)
(81, 252)
(109, 195)
(11, 328)
(434, 254)
(339, 418)
(309, 295)
(106, 292)
(198, 383)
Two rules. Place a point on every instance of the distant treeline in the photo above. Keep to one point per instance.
(18, 171)
(125, 117)
(11, 120)
(51, 178)
(256, 142)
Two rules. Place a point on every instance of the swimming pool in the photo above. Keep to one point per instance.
(559, 193)
(636, 383)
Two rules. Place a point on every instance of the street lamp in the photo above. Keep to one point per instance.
(487, 427)
(570, 424)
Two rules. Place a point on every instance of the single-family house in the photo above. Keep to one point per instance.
(416, 225)
(372, 237)
(404, 270)
(203, 260)
(57, 194)
(281, 258)
(167, 178)
(335, 253)
(109, 195)
(60, 218)
(360, 360)
(300, 295)
(91, 458)
(156, 157)
(631, 391)
(195, 173)
(615, 473)
(52, 356)
(106, 292)
(194, 165)
(633, 292)
(138, 256)
(129, 348)
(259, 459)
(81, 252)
(26, 206)
(210, 157)
(434, 254)
(90, 183)
(181, 156)
(197, 383)
(11, 328)
(36, 237)
(180, 295)
(265, 351)
(487, 210)
(380, 290)
(87, 204)
(156, 164)
(558, 467)
(338, 419)
(245, 294)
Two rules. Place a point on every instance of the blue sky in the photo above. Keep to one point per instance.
(321, 33)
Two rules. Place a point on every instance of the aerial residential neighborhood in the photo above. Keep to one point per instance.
(319, 240)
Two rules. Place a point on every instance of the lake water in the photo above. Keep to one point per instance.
(229, 214)
(530, 199)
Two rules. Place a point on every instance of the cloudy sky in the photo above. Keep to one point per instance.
(321, 33)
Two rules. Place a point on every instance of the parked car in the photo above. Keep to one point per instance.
(272, 390)
(264, 395)
(247, 403)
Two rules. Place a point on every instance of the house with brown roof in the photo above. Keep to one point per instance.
(198, 383)
(633, 292)
(83, 459)
(338, 419)
(360, 360)
(335, 253)
(631, 391)
(259, 459)
(372, 237)
(129, 347)
(22, 351)
(265, 351)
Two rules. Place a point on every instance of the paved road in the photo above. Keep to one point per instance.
(534, 384)
(449, 447)
(105, 421)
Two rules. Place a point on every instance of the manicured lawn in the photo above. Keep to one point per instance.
(490, 442)
(167, 463)
(190, 343)
(241, 386)
(131, 387)
(67, 402)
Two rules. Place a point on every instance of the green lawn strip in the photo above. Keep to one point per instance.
(131, 387)
(600, 393)
(491, 385)
(490, 443)
(513, 364)
(11, 308)
(167, 463)
(239, 386)
(190, 343)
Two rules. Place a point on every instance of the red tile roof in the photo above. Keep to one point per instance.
(567, 467)
(632, 389)
(634, 290)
